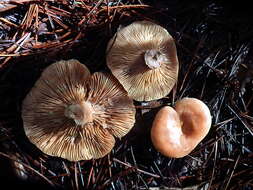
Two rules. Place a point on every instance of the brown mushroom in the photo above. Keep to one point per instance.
(74, 115)
(143, 57)
(176, 132)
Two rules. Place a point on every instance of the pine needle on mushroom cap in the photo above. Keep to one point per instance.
(74, 115)
(143, 57)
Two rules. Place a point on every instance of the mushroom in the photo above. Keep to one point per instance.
(176, 132)
(143, 57)
(72, 114)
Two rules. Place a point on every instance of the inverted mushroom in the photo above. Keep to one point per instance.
(143, 57)
(176, 132)
(74, 115)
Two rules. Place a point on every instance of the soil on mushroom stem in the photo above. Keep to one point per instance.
(214, 47)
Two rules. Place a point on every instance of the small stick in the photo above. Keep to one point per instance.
(231, 175)
(28, 167)
(81, 174)
(76, 178)
(89, 177)
(215, 160)
(139, 170)
(8, 22)
(245, 123)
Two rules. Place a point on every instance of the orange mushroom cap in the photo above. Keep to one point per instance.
(176, 132)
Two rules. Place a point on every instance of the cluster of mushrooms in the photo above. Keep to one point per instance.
(76, 115)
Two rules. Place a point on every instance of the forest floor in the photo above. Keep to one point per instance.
(214, 46)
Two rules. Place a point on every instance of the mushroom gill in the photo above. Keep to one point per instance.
(72, 114)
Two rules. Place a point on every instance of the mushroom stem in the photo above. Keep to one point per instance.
(154, 58)
(81, 113)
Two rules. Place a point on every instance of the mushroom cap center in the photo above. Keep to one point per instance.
(154, 58)
(81, 113)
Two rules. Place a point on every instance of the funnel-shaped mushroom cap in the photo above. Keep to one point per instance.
(143, 57)
(74, 115)
(176, 132)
